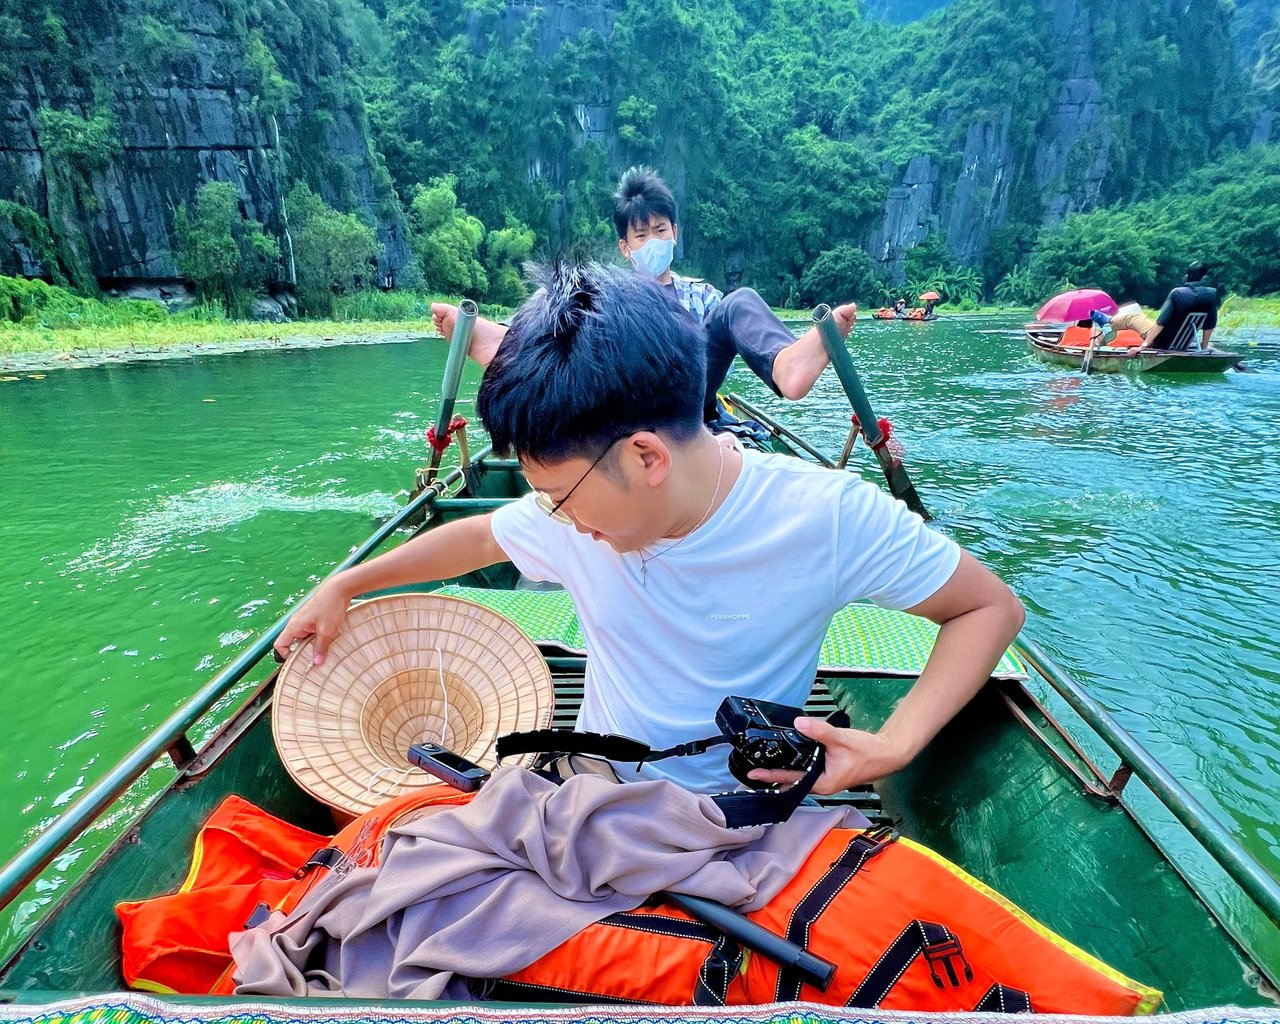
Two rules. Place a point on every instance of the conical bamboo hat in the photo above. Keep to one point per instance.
(343, 729)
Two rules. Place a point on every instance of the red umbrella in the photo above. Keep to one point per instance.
(930, 297)
(1076, 305)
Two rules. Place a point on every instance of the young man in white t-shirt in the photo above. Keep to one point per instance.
(698, 570)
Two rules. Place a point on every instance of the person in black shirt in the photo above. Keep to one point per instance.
(1191, 307)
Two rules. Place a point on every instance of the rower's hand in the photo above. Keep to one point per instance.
(320, 616)
(444, 318)
(846, 316)
(854, 757)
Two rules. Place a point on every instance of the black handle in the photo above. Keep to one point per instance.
(811, 967)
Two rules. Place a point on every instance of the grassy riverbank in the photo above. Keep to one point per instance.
(65, 327)
(1259, 311)
(39, 320)
(182, 332)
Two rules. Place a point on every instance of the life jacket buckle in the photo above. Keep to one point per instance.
(877, 840)
(259, 916)
(866, 845)
(944, 953)
(326, 857)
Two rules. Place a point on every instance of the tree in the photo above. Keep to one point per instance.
(446, 239)
(334, 253)
(1103, 250)
(505, 251)
(826, 193)
(839, 274)
(87, 144)
(227, 256)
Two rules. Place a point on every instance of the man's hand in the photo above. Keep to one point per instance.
(320, 616)
(846, 316)
(486, 336)
(853, 757)
(444, 318)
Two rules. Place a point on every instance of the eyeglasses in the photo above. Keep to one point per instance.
(552, 508)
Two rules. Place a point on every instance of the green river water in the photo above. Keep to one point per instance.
(155, 517)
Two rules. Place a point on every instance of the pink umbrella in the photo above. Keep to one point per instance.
(1076, 305)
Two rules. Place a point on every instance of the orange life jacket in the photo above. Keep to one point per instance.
(907, 930)
(1075, 336)
(246, 863)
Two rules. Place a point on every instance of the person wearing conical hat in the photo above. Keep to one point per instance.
(698, 570)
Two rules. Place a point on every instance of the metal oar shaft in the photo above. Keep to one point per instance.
(899, 483)
(458, 347)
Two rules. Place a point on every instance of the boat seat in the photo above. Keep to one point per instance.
(1074, 336)
(862, 640)
(1078, 337)
(1128, 338)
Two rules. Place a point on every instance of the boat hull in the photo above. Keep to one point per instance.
(1043, 344)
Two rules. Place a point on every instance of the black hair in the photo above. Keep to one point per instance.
(1196, 271)
(593, 354)
(641, 196)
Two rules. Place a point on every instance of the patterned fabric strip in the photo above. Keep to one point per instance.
(130, 1008)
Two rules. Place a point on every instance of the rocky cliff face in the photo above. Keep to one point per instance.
(1065, 168)
(177, 127)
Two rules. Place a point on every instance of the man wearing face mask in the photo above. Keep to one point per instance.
(737, 324)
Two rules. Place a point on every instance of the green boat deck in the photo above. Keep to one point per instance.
(863, 639)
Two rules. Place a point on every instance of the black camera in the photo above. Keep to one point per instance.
(763, 736)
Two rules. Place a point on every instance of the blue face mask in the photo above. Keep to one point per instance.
(654, 257)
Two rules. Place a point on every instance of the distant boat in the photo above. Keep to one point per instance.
(917, 314)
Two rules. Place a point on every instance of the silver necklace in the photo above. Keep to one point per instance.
(644, 562)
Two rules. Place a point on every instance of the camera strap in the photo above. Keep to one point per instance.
(742, 809)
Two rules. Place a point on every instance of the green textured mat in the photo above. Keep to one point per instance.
(862, 638)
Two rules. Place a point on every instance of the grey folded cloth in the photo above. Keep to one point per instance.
(485, 889)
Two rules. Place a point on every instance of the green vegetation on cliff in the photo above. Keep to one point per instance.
(1227, 214)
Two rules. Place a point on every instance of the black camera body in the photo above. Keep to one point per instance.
(763, 735)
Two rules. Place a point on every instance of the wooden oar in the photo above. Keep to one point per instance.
(439, 435)
(895, 475)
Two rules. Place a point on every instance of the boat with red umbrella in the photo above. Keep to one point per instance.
(1063, 335)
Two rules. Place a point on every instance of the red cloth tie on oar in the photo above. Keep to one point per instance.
(886, 436)
(439, 444)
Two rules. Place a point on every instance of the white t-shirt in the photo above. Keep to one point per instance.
(740, 606)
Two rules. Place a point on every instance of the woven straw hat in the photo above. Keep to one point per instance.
(343, 729)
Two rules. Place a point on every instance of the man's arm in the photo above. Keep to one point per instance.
(800, 364)
(486, 336)
(979, 617)
(451, 550)
(1205, 335)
